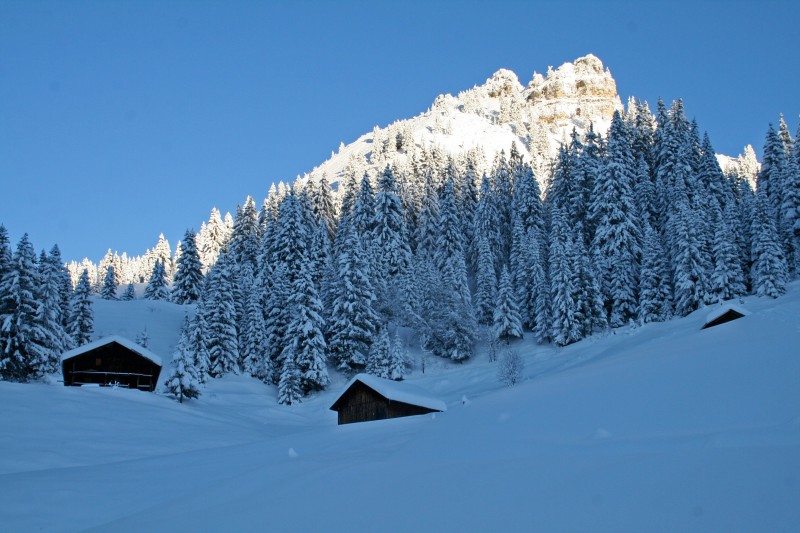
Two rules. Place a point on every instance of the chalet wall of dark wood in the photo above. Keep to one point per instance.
(362, 404)
(111, 364)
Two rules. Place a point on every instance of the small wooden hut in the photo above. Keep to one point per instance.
(114, 361)
(723, 314)
(367, 398)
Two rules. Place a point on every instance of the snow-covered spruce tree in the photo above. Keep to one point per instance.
(398, 359)
(790, 210)
(183, 381)
(163, 252)
(727, 278)
(289, 392)
(198, 341)
(451, 324)
(324, 206)
(486, 224)
(5, 257)
(711, 177)
(449, 253)
(363, 215)
(503, 198)
(428, 223)
(672, 161)
(305, 343)
(129, 294)
(389, 238)
(539, 299)
(655, 292)
(379, 357)
(486, 281)
(592, 164)
(51, 313)
(467, 205)
(617, 234)
(560, 192)
(109, 289)
(527, 205)
(507, 321)
(590, 312)
(772, 173)
(82, 319)
(23, 342)
(253, 345)
(157, 286)
(244, 239)
(222, 342)
(565, 326)
(689, 268)
(211, 239)
(769, 265)
(353, 319)
(277, 315)
(188, 280)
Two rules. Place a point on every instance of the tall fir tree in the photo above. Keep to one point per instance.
(655, 292)
(305, 344)
(183, 381)
(769, 270)
(23, 341)
(507, 320)
(253, 344)
(617, 234)
(130, 293)
(222, 344)
(379, 356)
(188, 281)
(354, 321)
(109, 290)
(565, 324)
(486, 282)
(727, 278)
(82, 319)
(157, 286)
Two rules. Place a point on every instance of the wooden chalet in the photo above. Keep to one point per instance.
(109, 361)
(367, 398)
(723, 314)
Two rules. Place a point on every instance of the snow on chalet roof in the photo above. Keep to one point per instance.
(129, 344)
(396, 391)
(719, 311)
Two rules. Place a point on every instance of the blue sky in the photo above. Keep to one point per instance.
(120, 120)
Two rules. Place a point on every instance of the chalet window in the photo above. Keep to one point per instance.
(98, 361)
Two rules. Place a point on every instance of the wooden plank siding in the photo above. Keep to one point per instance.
(111, 364)
(362, 404)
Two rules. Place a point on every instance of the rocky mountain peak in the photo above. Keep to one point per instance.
(580, 91)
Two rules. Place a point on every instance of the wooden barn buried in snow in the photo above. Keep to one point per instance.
(367, 398)
(723, 314)
(111, 360)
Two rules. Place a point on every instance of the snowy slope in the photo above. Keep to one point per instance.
(664, 427)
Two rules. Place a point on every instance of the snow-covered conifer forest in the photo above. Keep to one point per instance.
(411, 249)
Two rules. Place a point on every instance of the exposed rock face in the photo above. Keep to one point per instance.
(574, 94)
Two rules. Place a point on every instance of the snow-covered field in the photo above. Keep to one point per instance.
(658, 428)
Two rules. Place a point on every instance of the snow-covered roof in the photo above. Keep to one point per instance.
(719, 311)
(127, 343)
(396, 391)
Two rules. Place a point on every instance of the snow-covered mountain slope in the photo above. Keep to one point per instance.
(664, 427)
(538, 118)
(492, 116)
